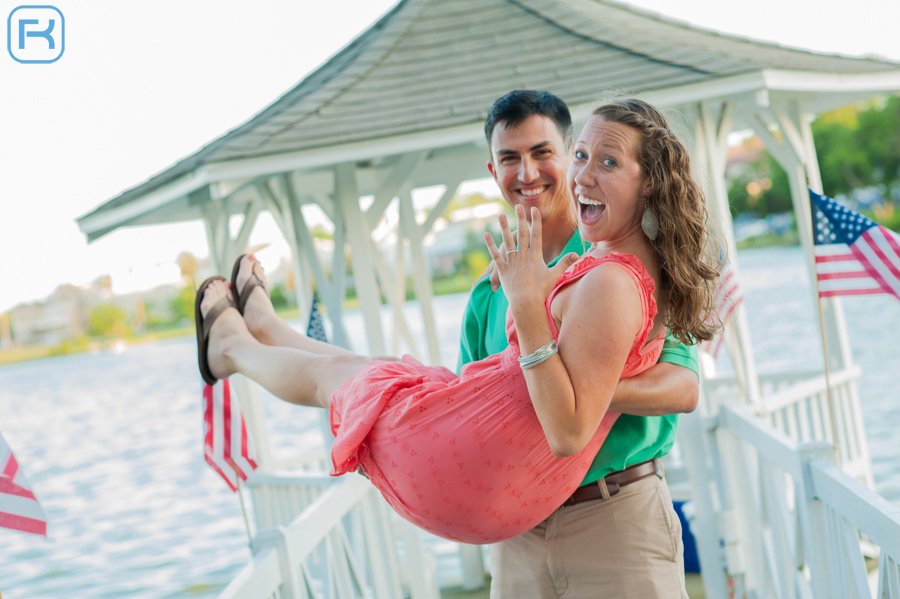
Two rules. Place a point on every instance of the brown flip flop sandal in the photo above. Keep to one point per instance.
(204, 325)
(252, 283)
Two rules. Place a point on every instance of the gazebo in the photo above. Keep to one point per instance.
(402, 107)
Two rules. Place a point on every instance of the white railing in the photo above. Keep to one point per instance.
(780, 518)
(341, 547)
(796, 403)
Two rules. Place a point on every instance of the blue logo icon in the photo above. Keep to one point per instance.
(36, 34)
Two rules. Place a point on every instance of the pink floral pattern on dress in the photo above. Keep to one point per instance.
(464, 457)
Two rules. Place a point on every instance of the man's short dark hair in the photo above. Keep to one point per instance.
(518, 105)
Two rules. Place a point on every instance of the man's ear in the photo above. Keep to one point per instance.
(490, 166)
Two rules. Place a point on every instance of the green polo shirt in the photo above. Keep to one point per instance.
(633, 439)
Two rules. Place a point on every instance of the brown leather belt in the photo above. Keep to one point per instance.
(615, 481)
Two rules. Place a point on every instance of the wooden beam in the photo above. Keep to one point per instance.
(399, 176)
(332, 298)
(360, 238)
(421, 274)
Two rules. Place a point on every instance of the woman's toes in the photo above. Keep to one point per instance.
(258, 309)
(226, 328)
(214, 292)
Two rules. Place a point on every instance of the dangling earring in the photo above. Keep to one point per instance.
(650, 223)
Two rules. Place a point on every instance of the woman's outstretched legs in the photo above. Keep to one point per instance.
(306, 378)
(265, 325)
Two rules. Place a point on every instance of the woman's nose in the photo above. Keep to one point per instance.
(583, 177)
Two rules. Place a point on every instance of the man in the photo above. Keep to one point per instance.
(618, 536)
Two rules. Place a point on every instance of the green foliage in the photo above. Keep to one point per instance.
(859, 146)
(183, 304)
(106, 319)
(762, 188)
(71, 346)
(279, 299)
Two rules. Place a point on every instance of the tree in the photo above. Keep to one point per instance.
(183, 304)
(106, 319)
(762, 188)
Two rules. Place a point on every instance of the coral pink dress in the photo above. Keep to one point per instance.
(464, 457)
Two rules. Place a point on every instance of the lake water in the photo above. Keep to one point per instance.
(112, 444)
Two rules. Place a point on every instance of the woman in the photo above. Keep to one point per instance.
(486, 455)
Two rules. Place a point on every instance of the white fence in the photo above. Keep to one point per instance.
(780, 518)
(796, 403)
(340, 547)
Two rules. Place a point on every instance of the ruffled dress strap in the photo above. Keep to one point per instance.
(640, 356)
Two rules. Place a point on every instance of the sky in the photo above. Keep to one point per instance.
(142, 84)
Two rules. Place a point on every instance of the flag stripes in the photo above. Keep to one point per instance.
(728, 297)
(854, 255)
(227, 447)
(19, 508)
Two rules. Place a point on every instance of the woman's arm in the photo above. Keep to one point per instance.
(572, 393)
(602, 314)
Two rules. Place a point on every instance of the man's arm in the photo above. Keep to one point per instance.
(661, 390)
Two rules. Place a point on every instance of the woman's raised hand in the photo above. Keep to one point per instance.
(520, 262)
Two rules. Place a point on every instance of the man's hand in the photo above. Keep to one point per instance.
(490, 271)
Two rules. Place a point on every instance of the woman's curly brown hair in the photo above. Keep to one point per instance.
(688, 264)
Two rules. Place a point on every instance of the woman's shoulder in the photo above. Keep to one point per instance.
(614, 262)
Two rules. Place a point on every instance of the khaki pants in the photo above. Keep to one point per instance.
(626, 546)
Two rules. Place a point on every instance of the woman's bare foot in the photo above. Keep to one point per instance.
(259, 314)
(227, 333)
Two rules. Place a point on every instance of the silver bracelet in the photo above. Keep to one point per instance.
(541, 354)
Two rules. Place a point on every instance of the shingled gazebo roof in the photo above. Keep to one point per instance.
(429, 70)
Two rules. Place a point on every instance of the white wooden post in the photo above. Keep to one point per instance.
(281, 212)
(421, 273)
(795, 153)
(223, 252)
(277, 539)
(359, 237)
(332, 294)
(711, 150)
(813, 526)
(695, 448)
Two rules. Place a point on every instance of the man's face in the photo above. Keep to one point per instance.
(529, 163)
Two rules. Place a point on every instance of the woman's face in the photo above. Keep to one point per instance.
(606, 182)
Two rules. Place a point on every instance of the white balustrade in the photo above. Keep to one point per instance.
(340, 547)
(790, 517)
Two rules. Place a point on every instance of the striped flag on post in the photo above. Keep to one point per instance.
(19, 508)
(854, 255)
(727, 297)
(227, 445)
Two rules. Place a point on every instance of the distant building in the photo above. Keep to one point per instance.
(62, 316)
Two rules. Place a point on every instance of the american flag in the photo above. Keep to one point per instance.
(19, 508)
(227, 445)
(727, 297)
(315, 329)
(854, 255)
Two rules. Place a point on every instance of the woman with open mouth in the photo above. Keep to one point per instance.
(487, 455)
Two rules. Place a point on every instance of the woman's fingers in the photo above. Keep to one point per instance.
(536, 231)
(509, 242)
(521, 228)
(493, 251)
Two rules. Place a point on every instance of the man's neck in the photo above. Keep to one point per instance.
(554, 238)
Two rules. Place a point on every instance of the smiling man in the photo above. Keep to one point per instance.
(618, 535)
